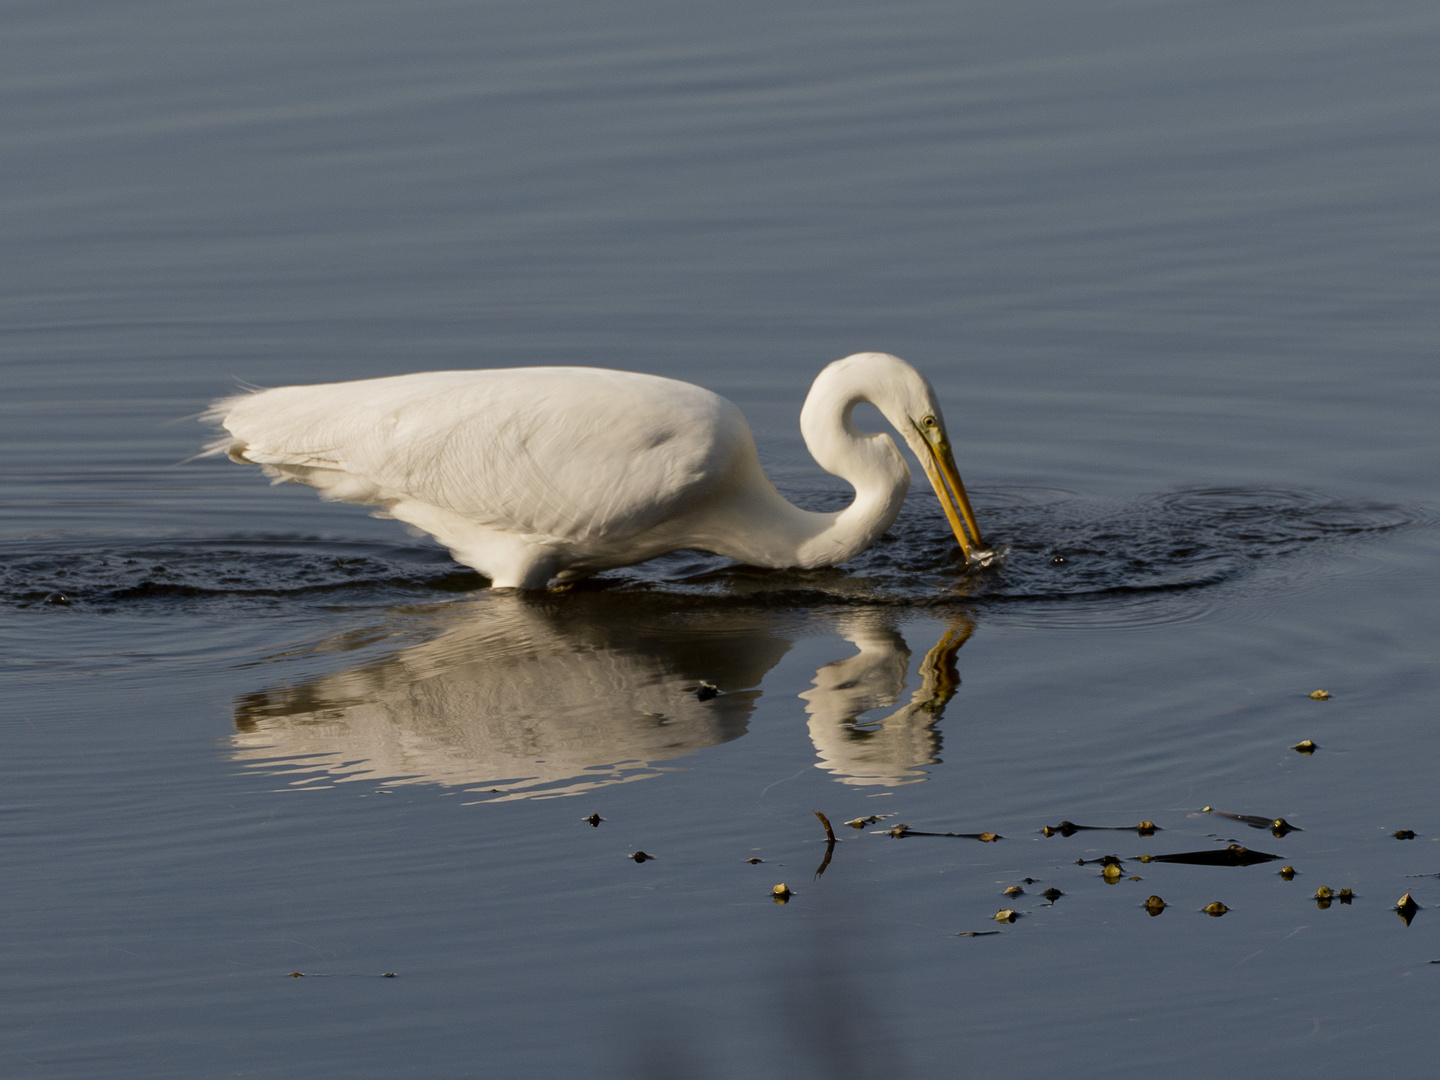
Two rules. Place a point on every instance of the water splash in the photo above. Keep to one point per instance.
(1052, 546)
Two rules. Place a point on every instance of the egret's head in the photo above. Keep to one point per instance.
(907, 400)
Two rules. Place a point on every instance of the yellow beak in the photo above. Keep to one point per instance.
(950, 489)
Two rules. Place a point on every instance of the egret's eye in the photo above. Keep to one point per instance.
(927, 422)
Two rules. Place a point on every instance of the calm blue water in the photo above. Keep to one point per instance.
(1172, 268)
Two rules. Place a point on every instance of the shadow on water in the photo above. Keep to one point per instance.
(514, 696)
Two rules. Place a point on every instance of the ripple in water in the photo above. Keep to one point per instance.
(1116, 558)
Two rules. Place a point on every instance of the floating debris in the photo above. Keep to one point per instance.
(1404, 834)
(1234, 855)
(1278, 826)
(1345, 896)
(1207, 810)
(1014, 890)
(1288, 873)
(781, 893)
(57, 599)
(1324, 893)
(1406, 907)
(1052, 894)
(1069, 828)
(707, 690)
(639, 856)
(991, 933)
(1111, 874)
(899, 832)
(296, 975)
(1216, 909)
(1154, 905)
(594, 820)
(1320, 695)
(861, 822)
(829, 832)
(753, 861)
(1104, 860)
(1305, 746)
(1006, 915)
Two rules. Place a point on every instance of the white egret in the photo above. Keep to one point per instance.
(533, 475)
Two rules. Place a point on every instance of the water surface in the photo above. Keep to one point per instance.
(1171, 269)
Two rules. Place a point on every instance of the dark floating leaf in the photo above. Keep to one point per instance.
(1305, 746)
(1287, 872)
(1052, 894)
(1069, 828)
(1104, 860)
(706, 691)
(1234, 855)
(899, 832)
(1404, 834)
(296, 975)
(639, 856)
(594, 820)
(388, 975)
(1154, 906)
(991, 933)
(1278, 826)
(1345, 896)
(1216, 909)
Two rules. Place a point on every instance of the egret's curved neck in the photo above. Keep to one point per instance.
(754, 523)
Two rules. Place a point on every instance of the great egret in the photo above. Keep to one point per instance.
(537, 474)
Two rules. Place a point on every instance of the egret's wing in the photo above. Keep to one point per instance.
(577, 453)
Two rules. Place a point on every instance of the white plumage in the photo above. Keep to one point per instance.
(536, 474)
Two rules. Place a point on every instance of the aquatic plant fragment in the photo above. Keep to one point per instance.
(1069, 828)
(1216, 909)
(1234, 855)
(1320, 695)
(1278, 827)
(899, 832)
(1406, 907)
(1305, 746)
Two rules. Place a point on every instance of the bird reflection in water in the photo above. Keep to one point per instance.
(517, 697)
(891, 750)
